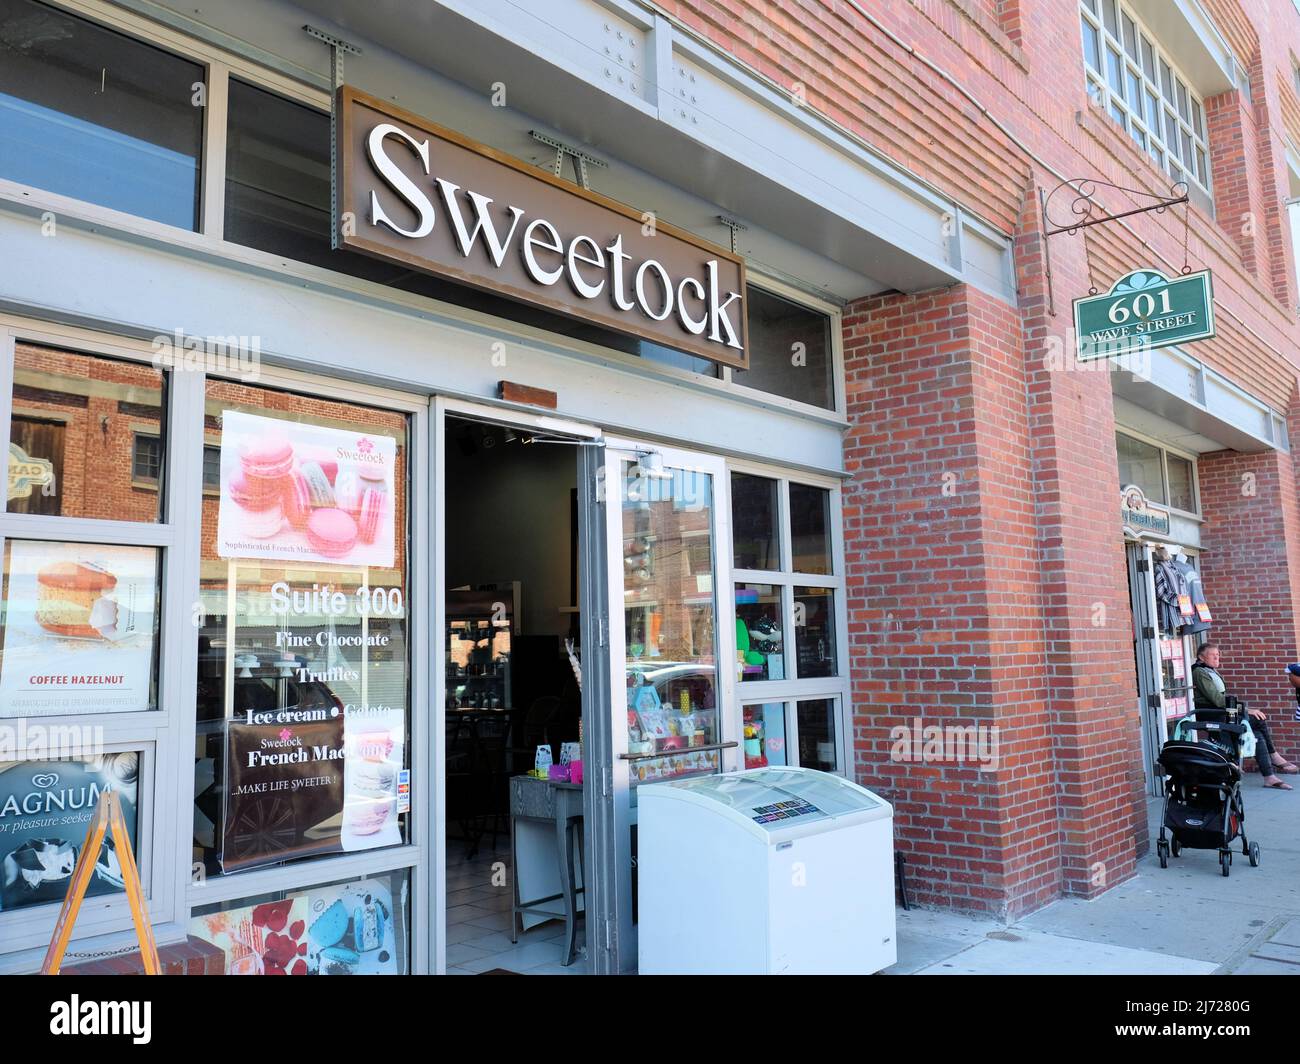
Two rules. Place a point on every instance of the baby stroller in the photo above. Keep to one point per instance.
(1203, 804)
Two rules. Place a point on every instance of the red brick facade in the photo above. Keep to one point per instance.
(986, 568)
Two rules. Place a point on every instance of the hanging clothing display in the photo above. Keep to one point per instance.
(1171, 590)
(1201, 616)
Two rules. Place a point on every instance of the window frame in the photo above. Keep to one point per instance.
(166, 736)
(1100, 89)
(220, 65)
(1165, 451)
(139, 480)
(153, 732)
(792, 690)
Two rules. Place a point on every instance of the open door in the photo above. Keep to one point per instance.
(667, 636)
(1146, 653)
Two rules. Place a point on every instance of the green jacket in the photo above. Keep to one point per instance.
(1208, 693)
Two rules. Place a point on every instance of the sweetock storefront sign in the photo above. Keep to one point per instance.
(416, 193)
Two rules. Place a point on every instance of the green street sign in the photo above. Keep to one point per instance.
(1144, 310)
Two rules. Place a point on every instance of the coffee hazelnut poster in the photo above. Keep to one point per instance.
(79, 625)
(305, 493)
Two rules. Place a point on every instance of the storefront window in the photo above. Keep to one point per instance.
(303, 692)
(669, 624)
(1164, 477)
(78, 628)
(84, 427)
(787, 621)
(817, 734)
(810, 529)
(1182, 483)
(814, 632)
(789, 350)
(759, 632)
(1139, 463)
(93, 114)
(754, 516)
(764, 735)
(354, 927)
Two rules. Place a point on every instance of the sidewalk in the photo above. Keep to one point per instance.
(1184, 920)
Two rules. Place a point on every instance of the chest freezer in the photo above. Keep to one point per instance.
(773, 870)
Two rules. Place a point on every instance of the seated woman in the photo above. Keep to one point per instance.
(1212, 693)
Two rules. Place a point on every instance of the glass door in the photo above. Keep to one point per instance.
(671, 637)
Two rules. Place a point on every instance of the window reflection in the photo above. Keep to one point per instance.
(669, 623)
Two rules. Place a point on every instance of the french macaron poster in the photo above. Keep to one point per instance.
(79, 621)
(305, 493)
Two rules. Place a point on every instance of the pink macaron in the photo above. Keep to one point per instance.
(373, 505)
(267, 459)
(297, 500)
(251, 493)
(331, 532)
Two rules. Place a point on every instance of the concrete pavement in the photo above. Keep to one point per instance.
(1186, 919)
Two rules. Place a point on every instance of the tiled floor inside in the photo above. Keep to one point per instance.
(478, 919)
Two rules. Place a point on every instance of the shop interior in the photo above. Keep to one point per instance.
(512, 697)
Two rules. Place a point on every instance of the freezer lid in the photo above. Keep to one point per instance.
(833, 795)
(773, 799)
(742, 796)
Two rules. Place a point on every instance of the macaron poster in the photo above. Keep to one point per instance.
(307, 493)
(79, 623)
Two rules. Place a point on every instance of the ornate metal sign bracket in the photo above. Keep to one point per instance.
(1085, 211)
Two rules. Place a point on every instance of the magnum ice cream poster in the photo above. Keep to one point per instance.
(79, 621)
(45, 807)
(307, 781)
(305, 493)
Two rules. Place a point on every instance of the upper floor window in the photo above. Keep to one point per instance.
(1144, 92)
(92, 114)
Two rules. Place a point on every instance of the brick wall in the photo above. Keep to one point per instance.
(974, 592)
(1249, 570)
(1023, 63)
(1005, 602)
(191, 957)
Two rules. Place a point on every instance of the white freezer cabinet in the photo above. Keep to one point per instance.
(769, 871)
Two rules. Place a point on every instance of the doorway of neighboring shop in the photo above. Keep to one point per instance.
(513, 701)
(1164, 646)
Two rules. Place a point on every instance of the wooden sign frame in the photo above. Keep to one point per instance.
(107, 820)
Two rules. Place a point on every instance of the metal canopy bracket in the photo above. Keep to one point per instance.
(1084, 214)
(735, 227)
(581, 160)
(338, 48)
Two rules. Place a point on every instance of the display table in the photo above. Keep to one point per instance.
(545, 818)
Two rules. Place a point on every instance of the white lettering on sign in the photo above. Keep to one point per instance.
(701, 305)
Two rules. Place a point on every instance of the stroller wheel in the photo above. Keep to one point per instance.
(1225, 862)
(1162, 851)
(1254, 855)
(1176, 848)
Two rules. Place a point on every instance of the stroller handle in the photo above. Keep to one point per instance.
(1213, 725)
